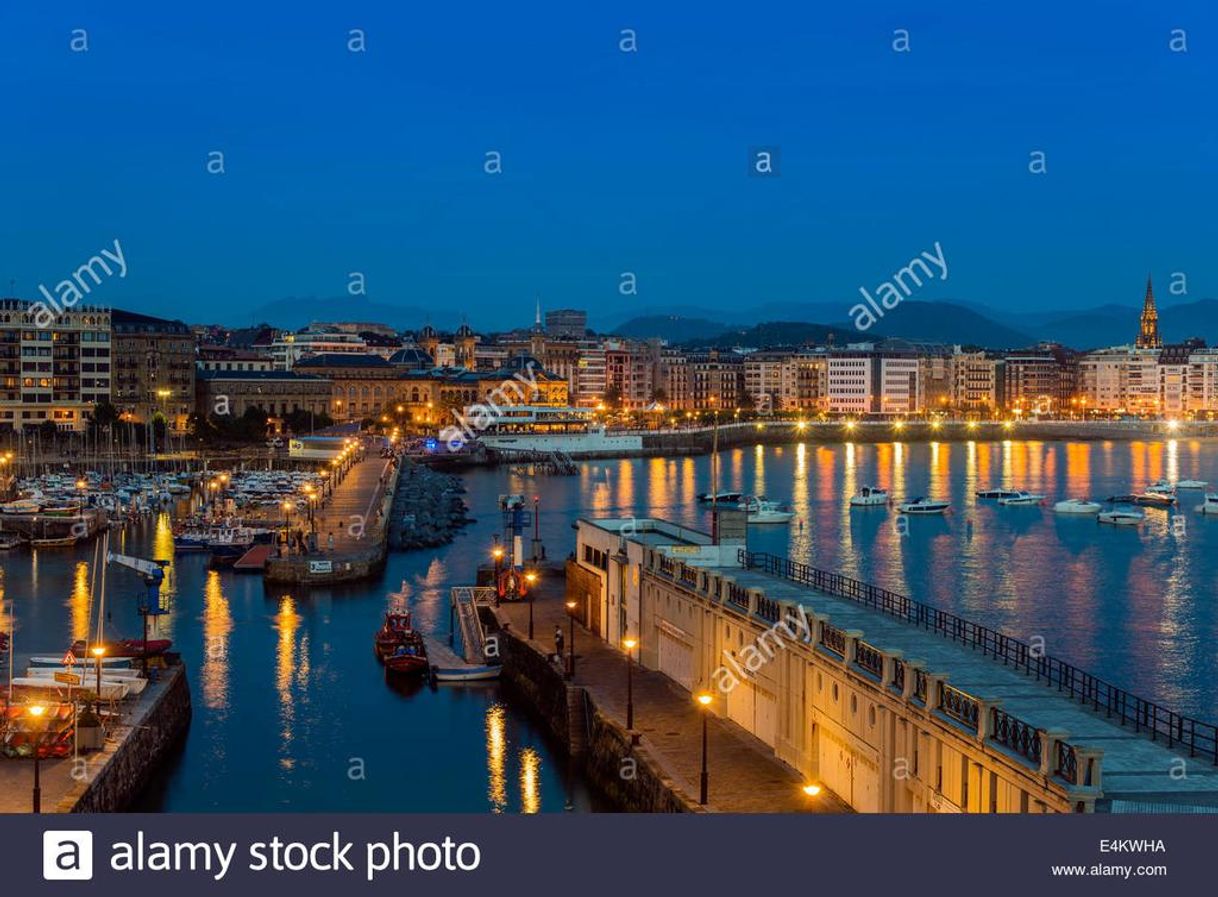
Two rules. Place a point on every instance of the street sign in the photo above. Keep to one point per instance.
(69, 659)
(67, 678)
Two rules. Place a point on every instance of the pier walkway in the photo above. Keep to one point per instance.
(744, 775)
(351, 529)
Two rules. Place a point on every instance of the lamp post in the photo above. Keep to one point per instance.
(704, 701)
(98, 652)
(530, 578)
(571, 605)
(287, 518)
(36, 712)
(629, 644)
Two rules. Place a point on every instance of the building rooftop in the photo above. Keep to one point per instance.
(343, 360)
(257, 375)
(649, 531)
(132, 322)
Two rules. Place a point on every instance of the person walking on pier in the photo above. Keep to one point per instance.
(558, 642)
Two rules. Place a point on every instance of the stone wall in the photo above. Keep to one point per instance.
(157, 735)
(628, 775)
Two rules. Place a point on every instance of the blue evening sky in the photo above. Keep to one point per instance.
(612, 162)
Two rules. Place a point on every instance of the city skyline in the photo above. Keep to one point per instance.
(624, 144)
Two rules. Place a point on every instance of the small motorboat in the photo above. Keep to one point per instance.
(721, 498)
(9, 541)
(997, 493)
(111, 690)
(1191, 484)
(1022, 498)
(1161, 487)
(1078, 506)
(1210, 505)
(923, 506)
(119, 662)
(126, 648)
(1154, 499)
(869, 497)
(761, 511)
(1121, 517)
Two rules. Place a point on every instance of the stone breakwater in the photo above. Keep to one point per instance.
(427, 508)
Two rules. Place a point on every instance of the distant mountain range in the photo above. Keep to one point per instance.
(963, 323)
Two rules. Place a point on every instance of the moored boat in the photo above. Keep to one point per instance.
(869, 497)
(760, 511)
(721, 498)
(1191, 484)
(996, 493)
(1022, 498)
(1078, 506)
(1121, 517)
(922, 506)
(126, 648)
(1210, 505)
(399, 646)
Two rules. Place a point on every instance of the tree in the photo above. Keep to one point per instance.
(613, 397)
(48, 430)
(103, 416)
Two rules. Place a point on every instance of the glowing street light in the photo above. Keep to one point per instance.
(704, 700)
(629, 644)
(36, 712)
(811, 789)
(571, 606)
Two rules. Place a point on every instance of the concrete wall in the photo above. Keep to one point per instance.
(872, 747)
(627, 775)
(160, 729)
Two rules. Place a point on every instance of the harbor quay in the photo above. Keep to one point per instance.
(889, 704)
(350, 530)
(141, 734)
(654, 763)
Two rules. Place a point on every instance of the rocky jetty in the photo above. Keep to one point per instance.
(427, 508)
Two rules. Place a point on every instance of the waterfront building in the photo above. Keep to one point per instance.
(1121, 380)
(630, 372)
(716, 380)
(1148, 330)
(878, 697)
(1038, 381)
(567, 324)
(289, 348)
(674, 390)
(590, 376)
(1203, 381)
(153, 369)
(56, 373)
(812, 380)
(771, 379)
(865, 379)
(227, 358)
(974, 382)
(362, 385)
(276, 393)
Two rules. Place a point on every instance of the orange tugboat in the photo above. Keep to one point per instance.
(399, 646)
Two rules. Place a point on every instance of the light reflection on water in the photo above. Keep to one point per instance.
(289, 698)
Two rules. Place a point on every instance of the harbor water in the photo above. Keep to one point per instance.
(292, 711)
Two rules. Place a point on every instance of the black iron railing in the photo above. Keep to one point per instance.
(870, 659)
(738, 595)
(960, 706)
(898, 676)
(688, 576)
(834, 639)
(1016, 735)
(1067, 763)
(667, 566)
(767, 609)
(1199, 738)
(919, 691)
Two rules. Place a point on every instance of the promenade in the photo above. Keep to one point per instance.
(744, 774)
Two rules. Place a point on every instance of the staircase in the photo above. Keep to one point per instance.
(473, 636)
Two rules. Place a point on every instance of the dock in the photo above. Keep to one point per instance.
(254, 560)
(355, 517)
(146, 733)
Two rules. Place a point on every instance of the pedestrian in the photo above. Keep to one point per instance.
(558, 641)
(330, 542)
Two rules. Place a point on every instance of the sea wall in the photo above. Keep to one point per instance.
(154, 736)
(427, 508)
(628, 775)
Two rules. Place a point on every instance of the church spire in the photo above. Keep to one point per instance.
(1148, 334)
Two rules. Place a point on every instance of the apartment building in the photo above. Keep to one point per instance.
(154, 368)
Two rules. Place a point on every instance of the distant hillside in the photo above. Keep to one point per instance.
(779, 333)
(673, 328)
(950, 323)
(1115, 325)
(295, 312)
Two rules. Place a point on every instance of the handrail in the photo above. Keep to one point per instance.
(1201, 738)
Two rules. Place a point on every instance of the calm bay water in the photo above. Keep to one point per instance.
(291, 707)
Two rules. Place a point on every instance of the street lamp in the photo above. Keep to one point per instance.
(811, 789)
(287, 517)
(36, 712)
(629, 644)
(530, 578)
(98, 652)
(571, 605)
(704, 699)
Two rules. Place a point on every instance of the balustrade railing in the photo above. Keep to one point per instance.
(738, 595)
(1198, 737)
(687, 576)
(667, 566)
(1067, 763)
(767, 609)
(898, 677)
(869, 658)
(959, 705)
(1016, 735)
(919, 690)
(834, 639)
